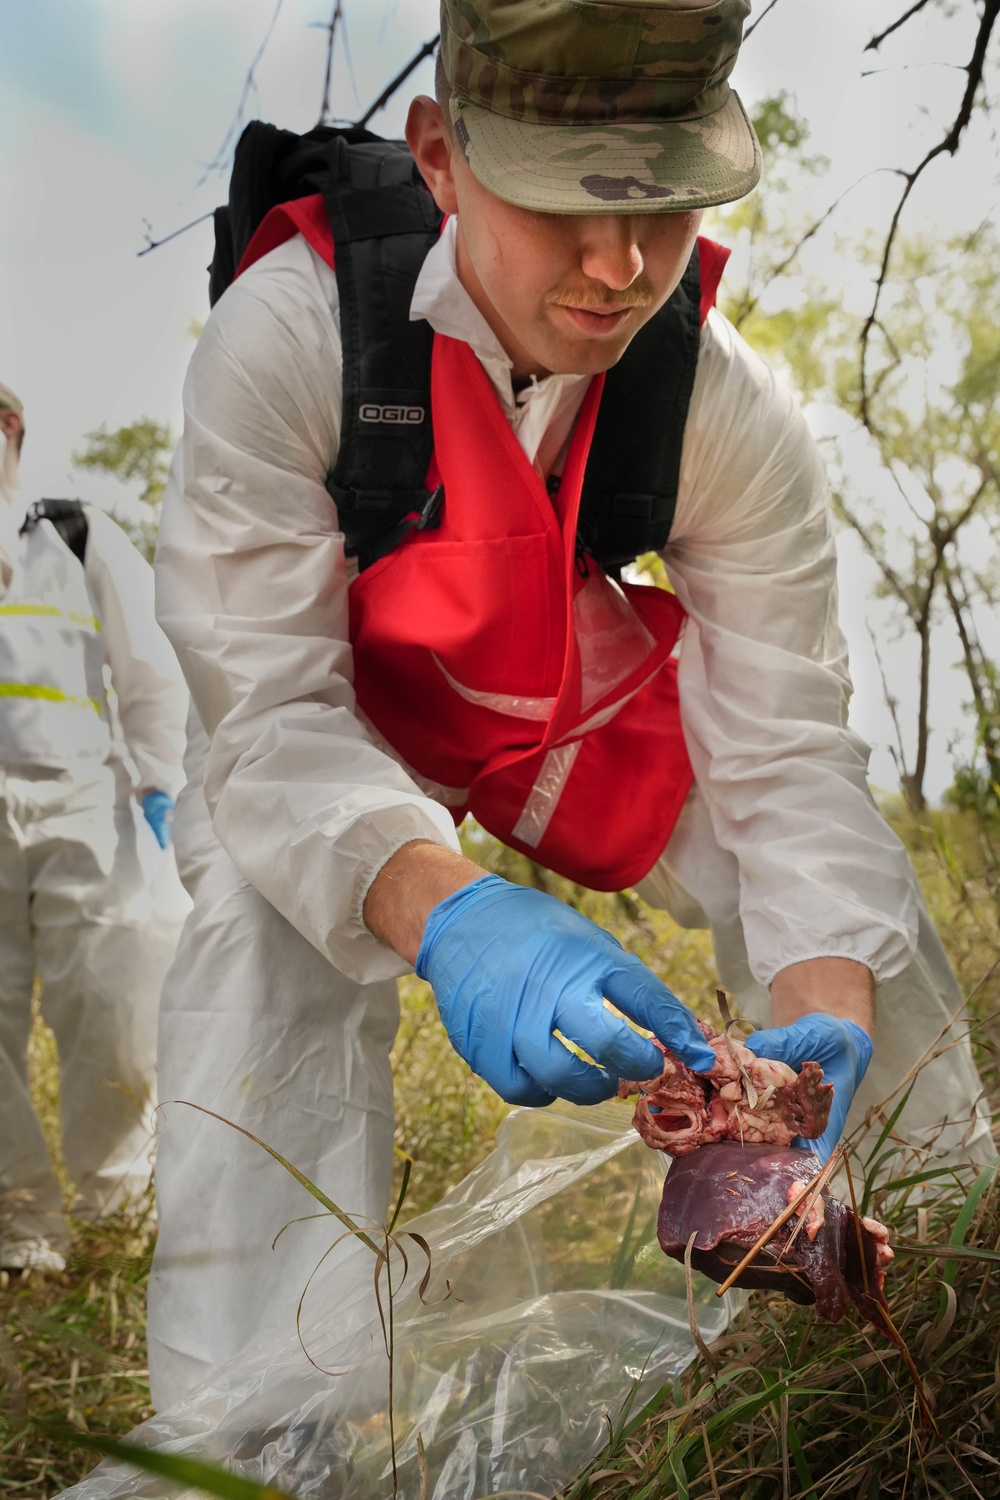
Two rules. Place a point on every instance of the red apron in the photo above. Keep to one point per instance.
(539, 695)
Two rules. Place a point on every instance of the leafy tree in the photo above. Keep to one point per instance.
(927, 399)
(929, 409)
(137, 454)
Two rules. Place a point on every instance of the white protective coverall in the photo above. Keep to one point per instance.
(280, 1008)
(75, 903)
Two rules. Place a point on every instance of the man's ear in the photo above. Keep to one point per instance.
(11, 425)
(432, 145)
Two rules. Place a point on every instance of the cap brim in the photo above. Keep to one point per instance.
(659, 167)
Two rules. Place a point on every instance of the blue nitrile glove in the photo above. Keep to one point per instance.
(842, 1049)
(509, 966)
(158, 810)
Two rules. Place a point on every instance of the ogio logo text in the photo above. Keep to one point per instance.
(398, 416)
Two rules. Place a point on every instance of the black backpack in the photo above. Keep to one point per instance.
(67, 516)
(384, 221)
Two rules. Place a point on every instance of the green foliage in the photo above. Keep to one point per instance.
(137, 454)
(931, 413)
(787, 317)
(779, 128)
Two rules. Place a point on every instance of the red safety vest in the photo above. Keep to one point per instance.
(520, 681)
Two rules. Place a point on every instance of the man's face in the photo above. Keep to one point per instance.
(564, 293)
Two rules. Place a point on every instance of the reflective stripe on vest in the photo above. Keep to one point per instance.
(51, 611)
(50, 694)
(486, 659)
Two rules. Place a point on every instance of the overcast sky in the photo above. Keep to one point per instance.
(111, 111)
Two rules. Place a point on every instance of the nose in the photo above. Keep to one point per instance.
(610, 250)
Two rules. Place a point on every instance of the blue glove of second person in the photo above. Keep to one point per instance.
(510, 966)
(842, 1049)
(158, 810)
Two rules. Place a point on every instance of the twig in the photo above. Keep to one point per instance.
(814, 1185)
(948, 143)
(751, 303)
(877, 41)
(222, 157)
(399, 79)
(892, 701)
(857, 1223)
(152, 244)
(331, 30)
(765, 12)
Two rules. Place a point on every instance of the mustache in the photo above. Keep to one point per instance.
(592, 299)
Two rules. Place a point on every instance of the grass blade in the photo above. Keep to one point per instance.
(964, 1221)
(205, 1477)
(401, 1197)
(952, 1253)
(300, 1177)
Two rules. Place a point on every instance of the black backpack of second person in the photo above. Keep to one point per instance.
(384, 221)
(69, 519)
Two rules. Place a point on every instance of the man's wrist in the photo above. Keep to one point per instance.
(839, 987)
(408, 887)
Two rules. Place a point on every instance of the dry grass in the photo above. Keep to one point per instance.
(797, 1409)
(72, 1348)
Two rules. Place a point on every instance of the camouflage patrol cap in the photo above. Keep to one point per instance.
(586, 106)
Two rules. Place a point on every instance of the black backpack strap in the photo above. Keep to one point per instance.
(630, 487)
(384, 222)
(67, 516)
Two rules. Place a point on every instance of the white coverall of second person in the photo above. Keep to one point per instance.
(78, 913)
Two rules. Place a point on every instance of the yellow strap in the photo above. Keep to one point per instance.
(50, 694)
(52, 612)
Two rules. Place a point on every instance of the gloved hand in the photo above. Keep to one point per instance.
(509, 966)
(158, 810)
(842, 1049)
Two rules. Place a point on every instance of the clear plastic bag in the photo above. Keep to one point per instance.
(563, 1317)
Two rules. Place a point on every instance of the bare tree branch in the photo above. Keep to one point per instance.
(766, 12)
(877, 41)
(890, 575)
(891, 470)
(223, 156)
(399, 79)
(751, 302)
(331, 30)
(948, 532)
(970, 646)
(949, 143)
(892, 702)
(152, 244)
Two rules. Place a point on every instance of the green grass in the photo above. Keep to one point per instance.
(791, 1394)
